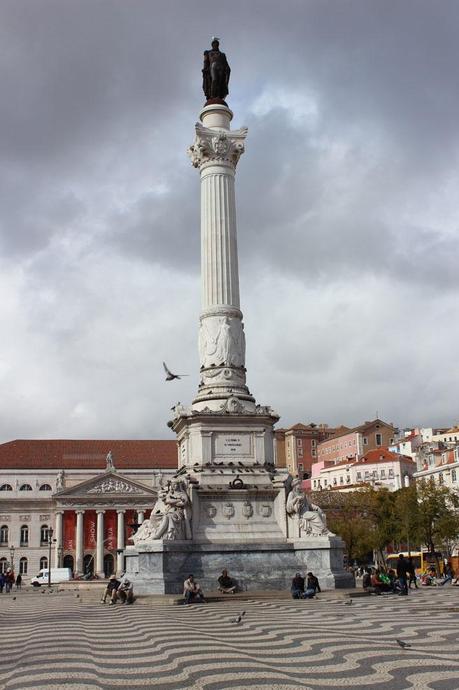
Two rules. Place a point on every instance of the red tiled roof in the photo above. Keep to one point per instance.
(71, 454)
(383, 455)
(343, 431)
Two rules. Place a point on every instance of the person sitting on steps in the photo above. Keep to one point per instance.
(110, 591)
(125, 592)
(226, 584)
(297, 587)
(192, 591)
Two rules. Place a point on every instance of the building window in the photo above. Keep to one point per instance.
(43, 563)
(24, 539)
(383, 474)
(45, 487)
(440, 478)
(299, 442)
(391, 474)
(315, 484)
(4, 535)
(378, 439)
(359, 475)
(391, 441)
(341, 480)
(25, 487)
(6, 487)
(325, 482)
(23, 565)
(365, 441)
(3, 565)
(313, 443)
(453, 475)
(44, 534)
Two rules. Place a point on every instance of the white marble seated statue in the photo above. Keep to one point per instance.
(311, 518)
(170, 516)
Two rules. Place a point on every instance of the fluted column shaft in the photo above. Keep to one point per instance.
(58, 537)
(100, 544)
(219, 259)
(120, 543)
(79, 542)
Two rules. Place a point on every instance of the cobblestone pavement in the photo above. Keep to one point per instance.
(62, 640)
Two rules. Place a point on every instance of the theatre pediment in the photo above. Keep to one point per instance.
(107, 485)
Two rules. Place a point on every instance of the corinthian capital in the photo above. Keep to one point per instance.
(217, 145)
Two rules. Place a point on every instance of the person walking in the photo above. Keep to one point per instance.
(448, 575)
(19, 581)
(9, 580)
(412, 573)
(402, 571)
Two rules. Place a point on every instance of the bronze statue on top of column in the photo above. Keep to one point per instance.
(215, 74)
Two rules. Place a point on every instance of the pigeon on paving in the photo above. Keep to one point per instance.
(402, 644)
(169, 375)
(14, 598)
(238, 619)
(348, 603)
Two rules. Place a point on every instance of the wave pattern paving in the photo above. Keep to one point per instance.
(60, 641)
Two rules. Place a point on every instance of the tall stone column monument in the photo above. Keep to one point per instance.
(229, 506)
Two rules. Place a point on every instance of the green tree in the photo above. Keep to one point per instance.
(407, 517)
(438, 520)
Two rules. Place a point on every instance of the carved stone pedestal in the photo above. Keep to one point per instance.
(163, 567)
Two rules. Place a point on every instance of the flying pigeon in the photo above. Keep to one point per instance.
(170, 376)
(402, 644)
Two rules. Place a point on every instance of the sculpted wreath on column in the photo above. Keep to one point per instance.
(311, 518)
(170, 516)
(222, 342)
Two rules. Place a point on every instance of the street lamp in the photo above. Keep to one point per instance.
(50, 543)
(12, 557)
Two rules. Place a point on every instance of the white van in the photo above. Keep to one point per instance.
(57, 575)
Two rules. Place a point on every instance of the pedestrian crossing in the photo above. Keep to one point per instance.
(69, 640)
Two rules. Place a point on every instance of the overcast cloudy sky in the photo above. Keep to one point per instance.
(347, 209)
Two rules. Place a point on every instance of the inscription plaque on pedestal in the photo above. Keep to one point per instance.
(233, 444)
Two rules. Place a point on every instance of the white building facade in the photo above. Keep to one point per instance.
(87, 496)
(379, 468)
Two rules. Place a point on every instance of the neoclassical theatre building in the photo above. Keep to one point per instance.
(90, 493)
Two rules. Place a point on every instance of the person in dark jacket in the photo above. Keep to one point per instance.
(402, 574)
(19, 581)
(297, 588)
(312, 586)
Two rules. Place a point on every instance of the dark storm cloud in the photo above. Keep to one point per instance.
(347, 207)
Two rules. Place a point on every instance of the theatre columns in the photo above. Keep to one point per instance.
(100, 544)
(79, 542)
(120, 543)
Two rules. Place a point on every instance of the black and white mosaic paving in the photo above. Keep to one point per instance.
(62, 640)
